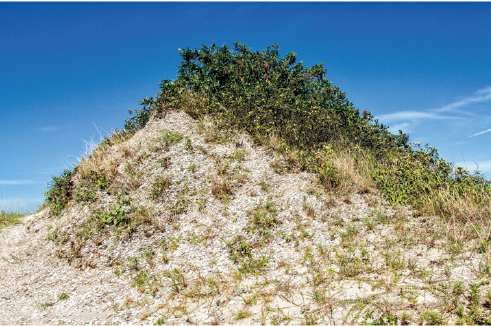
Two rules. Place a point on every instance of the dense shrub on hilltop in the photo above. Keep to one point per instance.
(264, 94)
(313, 122)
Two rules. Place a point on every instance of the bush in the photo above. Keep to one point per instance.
(60, 192)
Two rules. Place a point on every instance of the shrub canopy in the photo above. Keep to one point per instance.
(264, 94)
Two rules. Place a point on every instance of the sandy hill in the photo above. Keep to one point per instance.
(184, 223)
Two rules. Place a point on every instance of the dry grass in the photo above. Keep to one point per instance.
(9, 218)
(354, 176)
(220, 188)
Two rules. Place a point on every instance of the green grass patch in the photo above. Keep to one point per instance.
(9, 218)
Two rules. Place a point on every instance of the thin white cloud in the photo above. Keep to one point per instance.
(405, 127)
(47, 129)
(411, 115)
(482, 95)
(480, 133)
(447, 112)
(17, 182)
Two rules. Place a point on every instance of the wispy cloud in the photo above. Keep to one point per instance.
(47, 129)
(482, 95)
(480, 133)
(411, 115)
(17, 182)
(448, 112)
(406, 126)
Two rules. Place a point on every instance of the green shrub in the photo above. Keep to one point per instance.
(60, 192)
(264, 94)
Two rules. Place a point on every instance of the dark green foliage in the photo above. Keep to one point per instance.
(140, 117)
(264, 94)
(60, 192)
(412, 175)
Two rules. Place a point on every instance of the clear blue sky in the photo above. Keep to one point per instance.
(65, 68)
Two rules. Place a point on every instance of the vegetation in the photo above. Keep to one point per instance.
(9, 218)
(305, 124)
(266, 95)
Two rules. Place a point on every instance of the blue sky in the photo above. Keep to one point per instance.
(71, 70)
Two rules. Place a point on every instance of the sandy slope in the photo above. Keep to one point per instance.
(331, 259)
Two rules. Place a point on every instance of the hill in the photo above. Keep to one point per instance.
(231, 198)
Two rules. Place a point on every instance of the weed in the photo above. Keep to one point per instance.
(220, 188)
(239, 155)
(165, 140)
(85, 194)
(47, 304)
(164, 162)
(192, 167)
(309, 210)
(188, 145)
(115, 216)
(264, 185)
(159, 185)
(263, 218)
(241, 314)
(177, 279)
(63, 296)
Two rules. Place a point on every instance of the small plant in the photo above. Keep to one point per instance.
(319, 296)
(63, 296)
(165, 140)
(99, 179)
(242, 314)
(433, 318)
(405, 318)
(188, 146)
(239, 155)
(264, 186)
(309, 210)
(474, 293)
(159, 185)
(221, 189)
(458, 288)
(164, 162)
(177, 279)
(85, 194)
(115, 216)
(192, 167)
(263, 218)
(178, 206)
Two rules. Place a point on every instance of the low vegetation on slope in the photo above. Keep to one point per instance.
(296, 209)
(9, 218)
